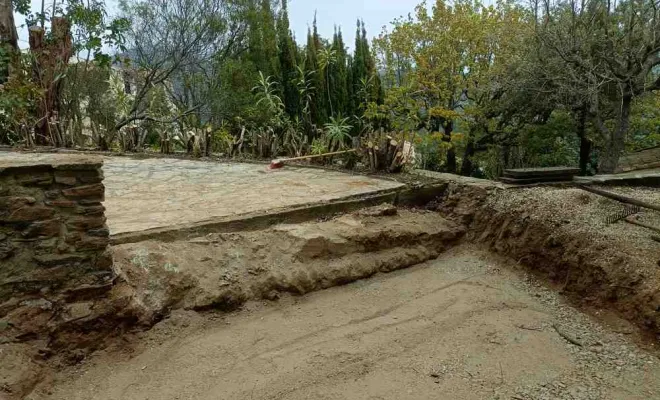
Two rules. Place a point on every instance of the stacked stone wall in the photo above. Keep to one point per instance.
(54, 255)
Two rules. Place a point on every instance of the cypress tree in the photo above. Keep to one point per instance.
(255, 44)
(287, 57)
(351, 107)
(319, 81)
(311, 65)
(340, 76)
(269, 41)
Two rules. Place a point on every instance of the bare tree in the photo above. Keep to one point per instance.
(609, 50)
(170, 41)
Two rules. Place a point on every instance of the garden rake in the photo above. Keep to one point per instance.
(628, 211)
(279, 163)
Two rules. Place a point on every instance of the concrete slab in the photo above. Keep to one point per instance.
(162, 192)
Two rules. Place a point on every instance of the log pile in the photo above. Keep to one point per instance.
(529, 176)
(383, 152)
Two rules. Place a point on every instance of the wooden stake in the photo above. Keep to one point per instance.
(633, 221)
(620, 198)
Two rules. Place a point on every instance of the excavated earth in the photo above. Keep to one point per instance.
(489, 293)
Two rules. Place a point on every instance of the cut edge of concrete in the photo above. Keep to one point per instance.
(404, 195)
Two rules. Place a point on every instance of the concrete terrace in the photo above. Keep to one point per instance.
(162, 192)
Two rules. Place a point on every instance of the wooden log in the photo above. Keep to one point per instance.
(620, 198)
(633, 221)
(396, 162)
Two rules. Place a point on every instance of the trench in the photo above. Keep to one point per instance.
(182, 286)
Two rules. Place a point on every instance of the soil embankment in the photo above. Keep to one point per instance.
(564, 235)
(470, 324)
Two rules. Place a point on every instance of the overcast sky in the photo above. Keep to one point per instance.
(344, 13)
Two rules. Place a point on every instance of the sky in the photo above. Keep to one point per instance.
(343, 13)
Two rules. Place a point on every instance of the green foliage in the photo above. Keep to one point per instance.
(288, 63)
(319, 146)
(495, 86)
(548, 145)
(337, 132)
(645, 123)
(18, 101)
(266, 91)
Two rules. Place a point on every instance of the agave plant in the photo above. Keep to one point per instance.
(305, 91)
(337, 131)
(327, 57)
(266, 91)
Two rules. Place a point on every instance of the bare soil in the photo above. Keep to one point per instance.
(465, 326)
(475, 323)
(562, 235)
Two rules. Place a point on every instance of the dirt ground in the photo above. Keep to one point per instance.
(465, 326)
(562, 234)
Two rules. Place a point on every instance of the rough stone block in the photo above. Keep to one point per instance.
(91, 210)
(92, 243)
(27, 214)
(56, 260)
(95, 191)
(84, 177)
(6, 249)
(62, 203)
(66, 180)
(48, 228)
(77, 311)
(79, 166)
(12, 203)
(83, 223)
(101, 232)
(104, 261)
(89, 202)
(47, 245)
(35, 179)
(52, 194)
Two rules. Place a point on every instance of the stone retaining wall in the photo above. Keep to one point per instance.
(53, 243)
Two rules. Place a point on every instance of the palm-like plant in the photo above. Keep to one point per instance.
(337, 131)
(364, 91)
(305, 90)
(327, 57)
(266, 90)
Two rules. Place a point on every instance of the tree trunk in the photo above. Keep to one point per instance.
(617, 139)
(467, 166)
(451, 151)
(51, 57)
(585, 143)
(8, 36)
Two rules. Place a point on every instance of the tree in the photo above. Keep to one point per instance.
(327, 58)
(8, 37)
(317, 107)
(339, 75)
(178, 38)
(287, 55)
(451, 50)
(615, 48)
